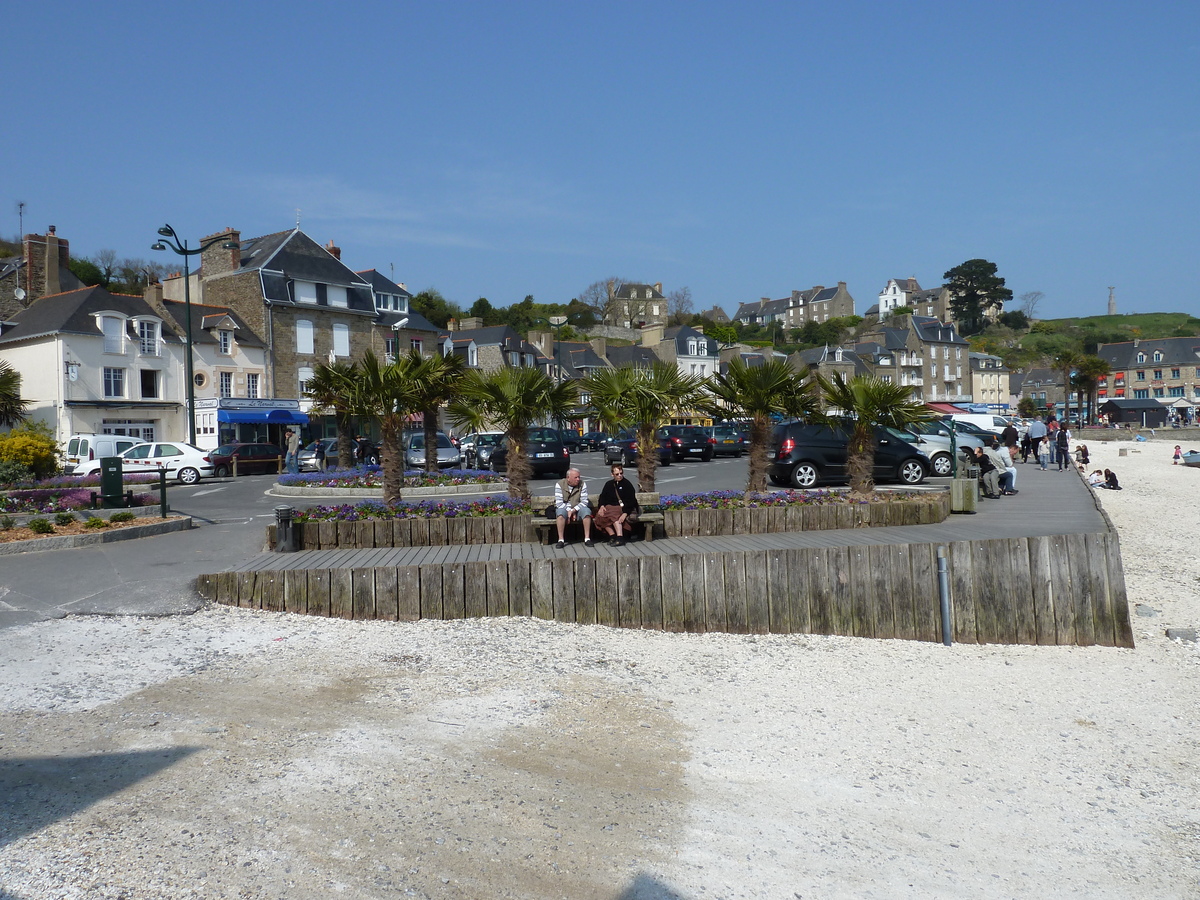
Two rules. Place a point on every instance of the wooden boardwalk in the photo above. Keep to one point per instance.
(1050, 540)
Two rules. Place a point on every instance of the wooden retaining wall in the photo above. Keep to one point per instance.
(438, 531)
(1043, 590)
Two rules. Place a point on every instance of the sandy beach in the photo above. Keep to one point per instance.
(241, 754)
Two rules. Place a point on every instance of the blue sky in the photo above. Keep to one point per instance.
(500, 150)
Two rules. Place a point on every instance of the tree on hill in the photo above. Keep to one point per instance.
(434, 307)
(975, 288)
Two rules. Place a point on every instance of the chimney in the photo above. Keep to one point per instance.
(652, 335)
(217, 260)
(470, 322)
(154, 296)
(841, 285)
(658, 287)
(335, 252)
(795, 298)
(53, 261)
(45, 255)
(452, 325)
(600, 345)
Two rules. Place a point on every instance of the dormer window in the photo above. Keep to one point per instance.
(148, 338)
(225, 342)
(114, 334)
(1158, 356)
(1141, 357)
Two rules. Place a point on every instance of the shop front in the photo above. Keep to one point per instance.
(245, 420)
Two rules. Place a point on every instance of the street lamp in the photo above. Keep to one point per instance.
(175, 243)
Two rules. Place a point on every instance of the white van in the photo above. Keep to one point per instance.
(986, 421)
(84, 451)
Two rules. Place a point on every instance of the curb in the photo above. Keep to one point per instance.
(71, 541)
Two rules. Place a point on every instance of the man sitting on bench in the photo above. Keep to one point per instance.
(571, 505)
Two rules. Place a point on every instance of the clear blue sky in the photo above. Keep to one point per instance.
(505, 149)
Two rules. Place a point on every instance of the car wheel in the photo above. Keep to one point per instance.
(705, 457)
(912, 472)
(666, 462)
(221, 471)
(942, 464)
(777, 481)
(624, 459)
(188, 475)
(737, 455)
(805, 475)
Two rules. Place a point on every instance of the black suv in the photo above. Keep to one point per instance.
(808, 455)
(689, 441)
(545, 450)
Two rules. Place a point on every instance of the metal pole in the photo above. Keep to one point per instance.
(944, 593)
(191, 378)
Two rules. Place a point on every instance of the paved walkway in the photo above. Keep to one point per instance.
(1047, 503)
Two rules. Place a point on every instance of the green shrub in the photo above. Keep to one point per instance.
(7, 522)
(64, 518)
(96, 522)
(40, 526)
(122, 517)
(12, 472)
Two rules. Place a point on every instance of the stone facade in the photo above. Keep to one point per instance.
(41, 270)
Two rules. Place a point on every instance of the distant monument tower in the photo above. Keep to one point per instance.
(1112, 301)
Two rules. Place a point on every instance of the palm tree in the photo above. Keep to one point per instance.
(332, 389)
(1066, 362)
(1088, 372)
(757, 393)
(436, 383)
(512, 398)
(871, 403)
(12, 407)
(390, 394)
(642, 399)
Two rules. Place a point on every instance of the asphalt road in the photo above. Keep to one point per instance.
(154, 576)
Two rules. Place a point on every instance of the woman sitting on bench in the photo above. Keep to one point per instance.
(618, 501)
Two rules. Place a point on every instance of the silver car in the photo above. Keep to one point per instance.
(936, 444)
(413, 445)
(477, 448)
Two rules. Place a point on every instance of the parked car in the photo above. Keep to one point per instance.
(413, 445)
(937, 435)
(545, 450)
(84, 451)
(730, 439)
(623, 449)
(477, 448)
(571, 438)
(985, 434)
(308, 455)
(806, 455)
(690, 441)
(183, 461)
(252, 459)
(594, 440)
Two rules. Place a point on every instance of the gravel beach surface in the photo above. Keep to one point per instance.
(241, 754)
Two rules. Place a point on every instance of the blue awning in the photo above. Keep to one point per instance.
(263, 416)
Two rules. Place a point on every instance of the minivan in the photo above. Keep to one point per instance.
(84, 451)
(805, 455)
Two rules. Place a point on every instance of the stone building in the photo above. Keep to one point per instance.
(989, 380)
(919, 352)
(633, 305)
(817, 304)
(1166, 369)
(306, 305)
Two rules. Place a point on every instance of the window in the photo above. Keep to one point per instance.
(1158, 374)
(148, 338)
(114, 382)
(150, 381)
(336, 296)
(958, 352)
(114, 334)
(1141, 375)
(389, 347)
(306, 291)
(692, 349)
(1141, 394)
(1158, 356)
(1174, 373)
(1158, 392)
(653, 308)
(1141, 357)
(225, 340)
(306, 375)
(341, 339)
(1175, 392)
(226, 382)
(252, 385)
(304, 336)
(415, 344)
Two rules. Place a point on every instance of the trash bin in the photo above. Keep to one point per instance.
(110, 481)
(964, 495)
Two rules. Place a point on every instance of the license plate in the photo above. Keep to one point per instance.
(695, 450)
(544, 456)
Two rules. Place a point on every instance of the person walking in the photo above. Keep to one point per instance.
(319, 456)
(1062, 448)
(1037, 431)
(292, 459)
(1178, 457)
(1043, 452)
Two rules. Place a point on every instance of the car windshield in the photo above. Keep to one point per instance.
(487, 439)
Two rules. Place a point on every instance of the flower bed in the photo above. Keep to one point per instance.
(502, 520)
(51, 500)
(78, 481)
(372, 477)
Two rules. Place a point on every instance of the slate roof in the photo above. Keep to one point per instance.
(681, 334)
(381, 284)
(577, 358)
(1122, 403)
(416, 321)
(74, 312)
(930, 329)
(814, 356)
(201, 335)
(1175, 351)
(293, 255)
(622, 293)
(641, 357)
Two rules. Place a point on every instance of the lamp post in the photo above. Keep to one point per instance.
(174, 243)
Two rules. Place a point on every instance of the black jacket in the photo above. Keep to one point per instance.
(621, 493)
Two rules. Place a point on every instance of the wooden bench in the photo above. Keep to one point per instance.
(547, 528)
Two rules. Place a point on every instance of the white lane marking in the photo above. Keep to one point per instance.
(209, 491)
(673, 480)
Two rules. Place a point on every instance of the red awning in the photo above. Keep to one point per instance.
(945, 408)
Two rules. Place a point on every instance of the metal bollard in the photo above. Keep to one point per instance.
(284, 542)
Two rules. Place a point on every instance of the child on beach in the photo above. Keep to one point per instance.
(1095, 479)
(1177, 457)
